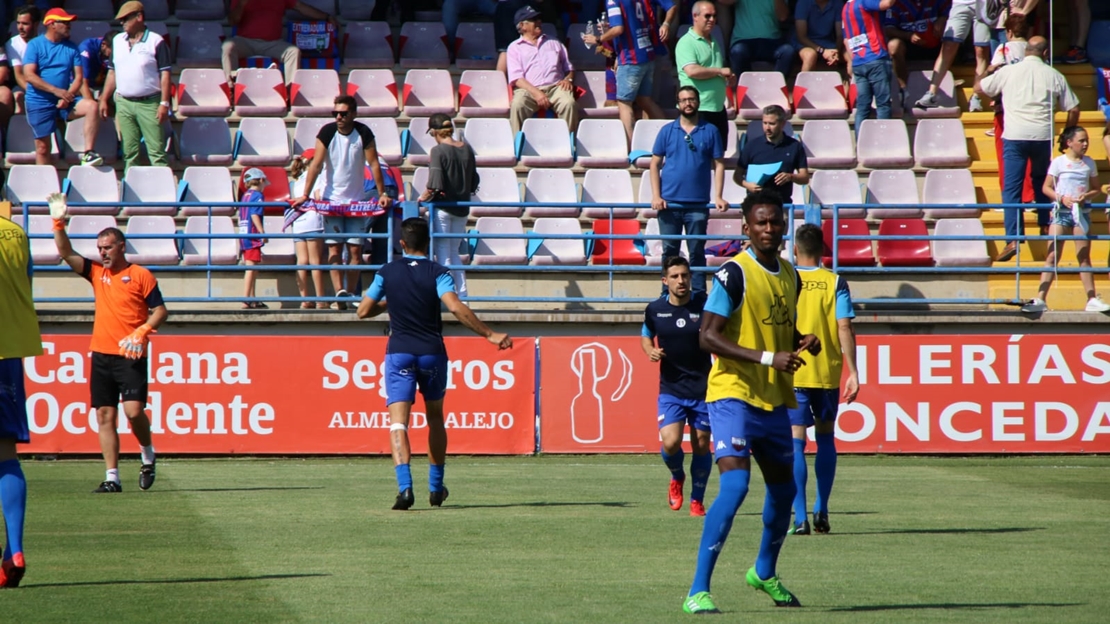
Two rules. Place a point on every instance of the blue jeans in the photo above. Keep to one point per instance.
(453, 9)
(671, 222)
(1015, 155)
(872, 81)
(777, 51)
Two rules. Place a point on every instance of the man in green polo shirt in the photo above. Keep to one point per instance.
(701, 65)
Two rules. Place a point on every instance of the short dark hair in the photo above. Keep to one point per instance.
(414, 233)
(29, 9)
(109, 37)
(775, 110)
(112, 231)
(349, 100)
(809, 241)
(691, 90)
(760, 198)
(673, 261)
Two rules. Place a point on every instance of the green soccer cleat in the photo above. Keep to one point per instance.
(700, 603)
(773, 587)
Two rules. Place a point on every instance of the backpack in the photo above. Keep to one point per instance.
(990, 10)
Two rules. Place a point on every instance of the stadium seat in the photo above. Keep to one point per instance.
(483, 94)
(43, 250)
(500, 250)
(387, 139)
(607, 186)
(143, 185)
(644, 196)
(546, 143)
(904, 253)
(617, 251)
(92, 184)
(199, 44)
(828, 144)
(200, 10)
(312, 92)
(368, 45)
(474, 46)
(731, 146)
(81, 29)
(583, 58)
(595, 145)
(206, 141)
(850, 252)
(725, 230)
(550, 185)
(375, 92)
(427, 92)
(559, 251)
(734, 194)
(916, 87)
(884, 144)
(196, 251)
(259, 93)
(304, 134)
(653, 247)
(820, 95)
(492, 140)
(757, 90)
(276, 191)
(88, 225)
(418, 143)
(153, 10)
(949, 187)
(940, 143)
(107, 143)
(960, 252)
(592, 101)
(498, 185)
(262, 141)
(277, 250)
(207, 184)
(419, 182)
(158, 251)
(829, 187)
(893, 187)
(20, 142)
(424, 45)
(27, 183)
(643, 140)
(203, 92)
(91, 10)
(355, 9)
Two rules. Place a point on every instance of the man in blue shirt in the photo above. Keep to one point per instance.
(817, 33)
(56, 88)
(690, 154)
(670, 337)
(94, 51)
(762, 153)
(414, 288)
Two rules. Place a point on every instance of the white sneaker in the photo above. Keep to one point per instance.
(1038, 305)
(1096, 304)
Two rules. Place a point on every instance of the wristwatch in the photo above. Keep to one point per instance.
(164, 103)
(820, 50)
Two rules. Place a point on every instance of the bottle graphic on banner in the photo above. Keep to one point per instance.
(592, 364)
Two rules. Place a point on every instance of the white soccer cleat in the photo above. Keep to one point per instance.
(1096, 304)
(58, 208)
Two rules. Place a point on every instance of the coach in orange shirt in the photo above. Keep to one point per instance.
(129, 306)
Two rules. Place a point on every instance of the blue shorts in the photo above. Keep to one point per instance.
(814, 404)
(13, 402)
(404, 372)
(1065, 218)
(740, 430)
(634, 81)
(687, 411)
(44, 121)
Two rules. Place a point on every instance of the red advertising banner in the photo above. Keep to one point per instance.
(284, 394)
(920, 394)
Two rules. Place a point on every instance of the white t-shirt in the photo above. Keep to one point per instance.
(1009, 53)
(14, 50)
(1073, 177)
(310, 220)
(344, 169)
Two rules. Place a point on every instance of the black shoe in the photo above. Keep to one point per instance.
(404, 500)
(435, 499)
(820, 523)
(108, 487)
(146, 476)
(800, 529)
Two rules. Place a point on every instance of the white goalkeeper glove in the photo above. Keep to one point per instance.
(58, 210)
(132, 347)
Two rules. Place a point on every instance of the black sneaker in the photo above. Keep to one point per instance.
(435, 499)
(820, 523)
(404, 500)
(108, 487)
(800, 529)
(146, 476)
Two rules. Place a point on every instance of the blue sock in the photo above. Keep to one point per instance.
(718, 522)
(801, 474)
(674, 464)
(824, 466)
(435, 477)
(701, 466)
(13, 498)
(776, 522)
(404, 477)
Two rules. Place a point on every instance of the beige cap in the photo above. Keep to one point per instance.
(129, 7)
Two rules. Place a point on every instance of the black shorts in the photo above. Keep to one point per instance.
(115, 378)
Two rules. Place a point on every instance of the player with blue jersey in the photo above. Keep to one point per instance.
(749, 324)
(824, 309)
(413, 288)
(670, 337)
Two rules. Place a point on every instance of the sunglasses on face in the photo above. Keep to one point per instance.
(340, 113)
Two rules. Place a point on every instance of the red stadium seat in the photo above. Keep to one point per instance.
(851, 252)
(904, 253)
(623, 250)
(276, 191)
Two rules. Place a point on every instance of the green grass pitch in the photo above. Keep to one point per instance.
(555, 539)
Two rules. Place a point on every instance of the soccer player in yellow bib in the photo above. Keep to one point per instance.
(749, 324)
(19, 338)
(824, 308)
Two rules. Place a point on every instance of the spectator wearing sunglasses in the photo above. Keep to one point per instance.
(775, 161)
(686, 161)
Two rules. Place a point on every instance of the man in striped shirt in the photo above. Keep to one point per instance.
(868, 59)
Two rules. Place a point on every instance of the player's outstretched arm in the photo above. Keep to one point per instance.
(712, 339)
(369, 308)
(848, 343)
(467, 317)
(59, 211)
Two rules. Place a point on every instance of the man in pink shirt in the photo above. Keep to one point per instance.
(539, 73)
(260, 31)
